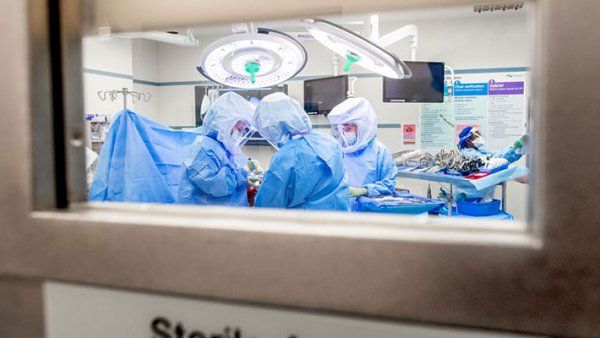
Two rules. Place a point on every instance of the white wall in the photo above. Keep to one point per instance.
(113, 64)
(145, 67)
(112, 56)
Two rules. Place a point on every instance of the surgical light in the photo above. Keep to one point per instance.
(357, 49)
(253, 60)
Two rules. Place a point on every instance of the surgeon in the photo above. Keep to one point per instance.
(472, 144)
(214, 171)
(369, 165)
(307, 172)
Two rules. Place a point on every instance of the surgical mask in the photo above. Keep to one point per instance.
(350, 138)
(237, 136)
(237, 139)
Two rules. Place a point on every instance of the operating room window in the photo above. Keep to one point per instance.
(421, 112)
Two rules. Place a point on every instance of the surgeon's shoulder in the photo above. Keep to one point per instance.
(382, 148)
(286, 156)
(323, 139)
(210, 146)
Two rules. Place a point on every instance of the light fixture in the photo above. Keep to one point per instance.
(357, 49)
(172, 37)
(253, 60)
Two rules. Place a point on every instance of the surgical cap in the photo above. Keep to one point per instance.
(465, 135)
(279, 117)
(222, 116)
(356, 110)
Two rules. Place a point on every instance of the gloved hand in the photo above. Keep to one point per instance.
(253, 166)
(495, 163)
(255, 173)
(356, 192)
(521, 142)
(254, 180)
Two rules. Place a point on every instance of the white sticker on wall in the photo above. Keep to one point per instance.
(74, 311)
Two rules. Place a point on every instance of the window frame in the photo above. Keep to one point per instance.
(541, 280)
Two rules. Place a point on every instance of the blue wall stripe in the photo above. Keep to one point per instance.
(297, 78)
(109, 74)
(148, 83)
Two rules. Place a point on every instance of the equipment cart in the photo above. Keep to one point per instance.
(497, 178)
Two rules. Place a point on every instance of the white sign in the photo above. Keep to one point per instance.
(80, 311)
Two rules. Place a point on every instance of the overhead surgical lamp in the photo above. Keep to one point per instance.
(362, 51)
(253, 60)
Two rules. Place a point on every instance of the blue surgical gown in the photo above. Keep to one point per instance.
(306, 173)
(211, 176)
(372, 168)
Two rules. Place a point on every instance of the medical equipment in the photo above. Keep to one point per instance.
(404, 158)
(399, 203)
(448, 198)
(114, 94)
(323, 94)
(367, 53)
(253, 60)
(493, 163)
(97, 128)
(425, 85)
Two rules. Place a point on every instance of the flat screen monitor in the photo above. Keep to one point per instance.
(252, 95)
(321, 95)
(425, 85)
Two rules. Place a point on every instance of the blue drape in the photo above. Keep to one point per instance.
(141, 161)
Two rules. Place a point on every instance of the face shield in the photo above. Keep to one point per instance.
(476, 139)
(347, 134)
(241, 133)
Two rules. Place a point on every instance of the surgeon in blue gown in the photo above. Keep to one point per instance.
(214, 169)
(369, 165)
(307, 172)
(472, 144)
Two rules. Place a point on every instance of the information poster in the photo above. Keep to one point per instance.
(437, 125)
(471, 105)
(495, 102)
(506, 112)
